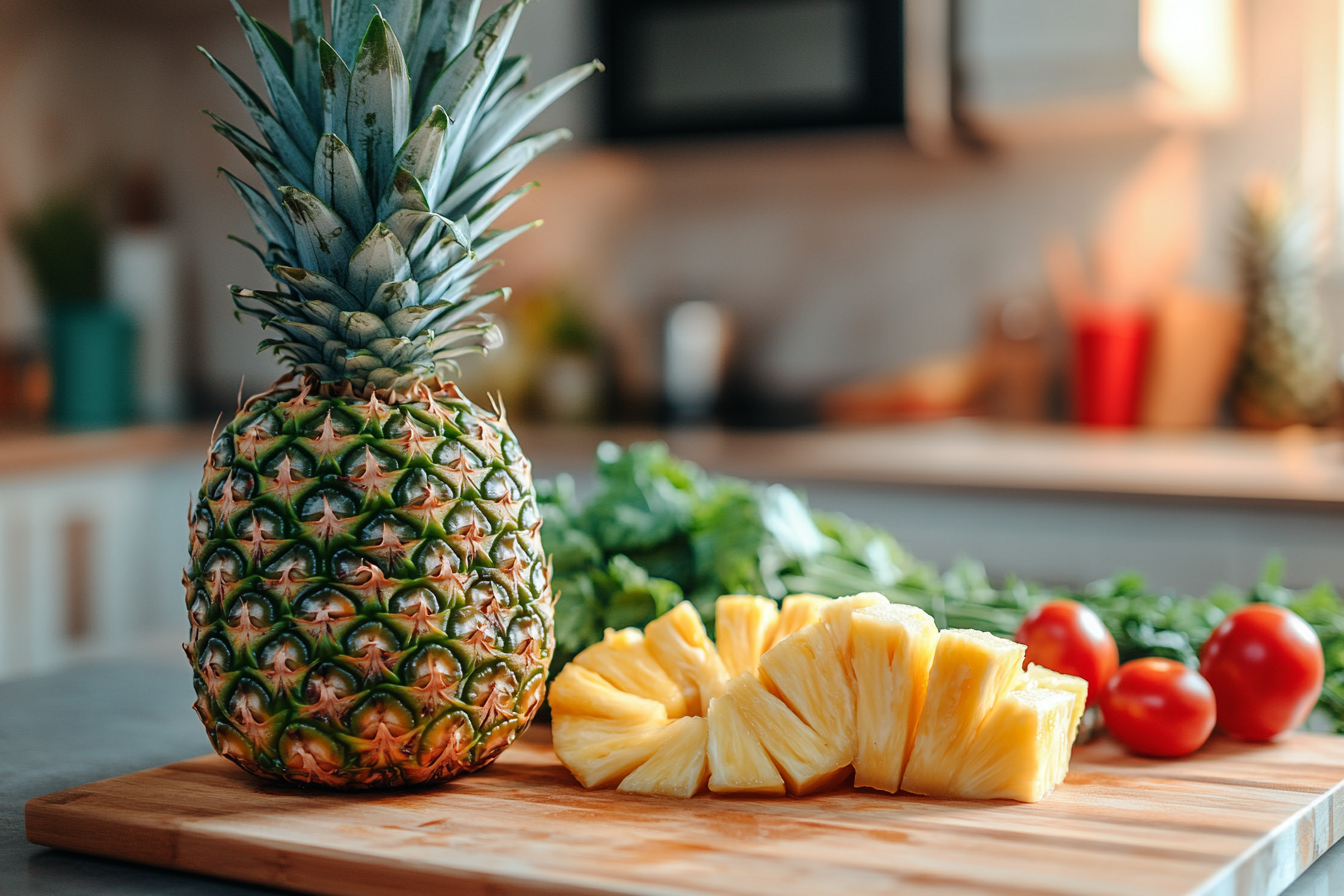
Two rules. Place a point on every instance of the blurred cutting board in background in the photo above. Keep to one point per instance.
(1232, 819)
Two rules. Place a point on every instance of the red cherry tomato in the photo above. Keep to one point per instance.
(1266, 668)
(1065, 636)
(1158, 707)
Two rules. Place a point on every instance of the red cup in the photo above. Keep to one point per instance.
(1110, 355)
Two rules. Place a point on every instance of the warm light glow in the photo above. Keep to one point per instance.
(1191, 46)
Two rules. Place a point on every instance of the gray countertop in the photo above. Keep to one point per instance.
(97, 721)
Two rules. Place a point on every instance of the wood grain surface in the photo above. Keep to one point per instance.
(1232, 819)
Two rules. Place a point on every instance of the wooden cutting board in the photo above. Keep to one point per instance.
(1232, 819)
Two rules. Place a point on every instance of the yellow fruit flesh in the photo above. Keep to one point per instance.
(623, 659)
(805, 672)
(680, 768)
(737, 761)
(837, 615)
(1015, 755)
(797, 612)
(677, 640)
(971, 672)
(806, 761)
(577, 691)
(1041, 677)
(601, 752)
(743, 627)
(892, 647)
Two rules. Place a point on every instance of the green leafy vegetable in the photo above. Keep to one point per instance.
(660, 529)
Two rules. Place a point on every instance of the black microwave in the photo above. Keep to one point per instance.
(691, 67)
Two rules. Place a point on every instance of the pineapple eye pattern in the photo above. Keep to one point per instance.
(346, 512)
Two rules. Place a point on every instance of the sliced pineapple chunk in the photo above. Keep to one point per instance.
(807, 762)
(1016, 754)
(623, 659)
(893, 648)
(577, 691)
(806, 672)
(796, 612)
(971, 671)
(679, 768)
(836, 615)
(743, 627)
(677, 640)
(737, 761)
(601, 752)
(1041, 677)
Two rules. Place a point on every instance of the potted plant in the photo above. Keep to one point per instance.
(91, 343)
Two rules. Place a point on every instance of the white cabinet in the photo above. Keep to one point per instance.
(91, 561)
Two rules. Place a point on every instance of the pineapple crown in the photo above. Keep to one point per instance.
(375, 231)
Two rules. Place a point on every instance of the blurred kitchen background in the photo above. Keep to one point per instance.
(1057, 284)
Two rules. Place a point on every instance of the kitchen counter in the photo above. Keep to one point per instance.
(94, 722)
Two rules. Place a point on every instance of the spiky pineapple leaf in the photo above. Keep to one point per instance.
(281, 143)
(349, 21)
(379, 258)
(495, 239)
(289, 111)
(359, 328)
(501, 125)
(482, 184)
(282, 48)
(323, 240)
(404, 192)
(265, 218)
(338, 181)
(403, 16)
(392, 297)
(412, 228)
(379, 111)
(335, 86)
(315, 287)
(307, 27)
(426, 56)
(465, 80)
(463, 310)
(421, 152)
(480, 220)
(512, 72)
(271, 169)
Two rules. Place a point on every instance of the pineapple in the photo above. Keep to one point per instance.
(797, 611)
(866, 684)
(679, 768)
(577, 691)
(624, 660)
(602, 752)
(1286, 372)
(893, 647)
(737, 761)
(806, 672)
(1015, 755)
(743, 627)
(807, 762)
(368, 599)
(677, 640)
(971, 671)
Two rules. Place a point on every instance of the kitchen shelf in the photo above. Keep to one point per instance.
(39, 451)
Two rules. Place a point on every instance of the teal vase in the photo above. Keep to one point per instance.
(92, 366)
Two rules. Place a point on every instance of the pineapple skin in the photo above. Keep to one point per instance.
(368, 599)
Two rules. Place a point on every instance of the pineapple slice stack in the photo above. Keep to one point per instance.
(796, 698)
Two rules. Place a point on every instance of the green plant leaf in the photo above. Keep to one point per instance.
(502, 124)
(480, 186)
(379, 259)
(487, 214)
(379, 111)
(335, 90)
(281, 143)
(337, 181)
(323, 240)
(307, 28)
(288, 109)
(265, 217)
(316, 287)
